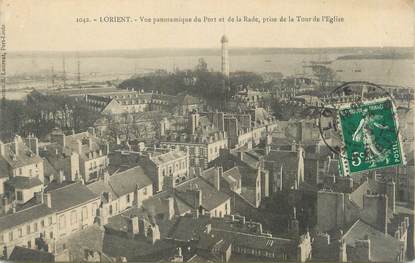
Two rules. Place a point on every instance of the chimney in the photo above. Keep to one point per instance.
(155, 233)
(170, 207)
(198, 171)
(6, 205)
(79, 147)
(390, 192)
(91, 131)
(102, 217)
(14, 207)
(218, 176)
(107, 148)
(241, 156)
(39, 197)
(16, 145)
(198, 201)
(133, 227)
(47, 200)
(33, 143)
(90, 143)
(2, 149)
(106, 177)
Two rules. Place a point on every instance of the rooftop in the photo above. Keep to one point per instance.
(32, 213)
(20, 254)
(71, 196)
(167, 157)
(383, 248)
(23, 182)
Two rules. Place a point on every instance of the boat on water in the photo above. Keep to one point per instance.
(268, 60)
(323, 62)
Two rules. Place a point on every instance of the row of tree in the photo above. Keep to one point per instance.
(40, 113)
(214, 87)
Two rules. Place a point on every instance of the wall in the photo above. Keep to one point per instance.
(31, 170)
(95, 164)
(221, 210)
(27, 194)
(48, 227)
(330, 210)
(76, 218)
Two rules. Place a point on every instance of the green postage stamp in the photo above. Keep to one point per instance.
(370, 132)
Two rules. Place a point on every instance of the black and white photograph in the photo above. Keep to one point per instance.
(207, 131)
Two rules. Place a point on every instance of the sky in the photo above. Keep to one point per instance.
(51, 25)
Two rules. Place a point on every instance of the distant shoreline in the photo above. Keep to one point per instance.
(235, 51)
(376, 56)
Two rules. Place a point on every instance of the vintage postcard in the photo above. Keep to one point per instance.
(207, 131)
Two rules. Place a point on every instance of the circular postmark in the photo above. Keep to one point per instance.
(358, 122)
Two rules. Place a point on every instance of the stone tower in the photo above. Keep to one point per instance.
(225, 56)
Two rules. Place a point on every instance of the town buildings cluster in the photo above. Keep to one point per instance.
(205, 186)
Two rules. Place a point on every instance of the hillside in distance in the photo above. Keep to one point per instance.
(399, 52)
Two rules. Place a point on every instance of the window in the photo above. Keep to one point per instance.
(19, 195)
(62, 222)
(73, 218)
(84, 214)
(110, 208)
(50, 221)
(128, 198)
(20, 231)
(29, 244)
(35, 227)
(20, 171)
(51, 235)
(42, 223)
(145, 191)
(28, 229)
(11, 236)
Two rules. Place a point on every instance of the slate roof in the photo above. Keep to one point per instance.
(383, 248)
(210, 174)
(126, 182)
(167, 157)
(99, 187)
(32, 255)
(188, 228)
(232, 176)
(70, 196)
(23, 182)
(24, 155)
(21, 217)
(286, 159)
(254, 241)
(211, 198)
(48, 168)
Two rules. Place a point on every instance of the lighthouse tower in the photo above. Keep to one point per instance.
(225, 56)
